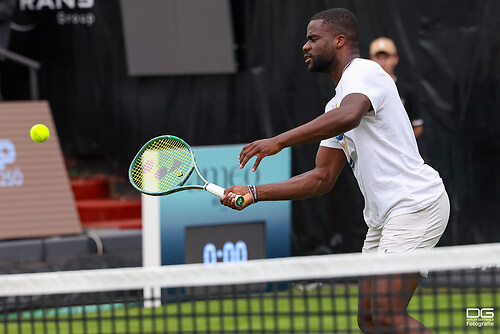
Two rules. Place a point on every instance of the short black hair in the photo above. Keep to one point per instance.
(341, 21)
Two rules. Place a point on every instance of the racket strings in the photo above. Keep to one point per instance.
(163, 165)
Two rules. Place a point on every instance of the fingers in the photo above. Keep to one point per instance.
(229, 200)
(250, 151)
(232, 193)
(246, 154)
(256, 164)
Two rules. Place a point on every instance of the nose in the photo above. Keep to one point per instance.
(306, 47)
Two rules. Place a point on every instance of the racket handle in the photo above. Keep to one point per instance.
(219, 191)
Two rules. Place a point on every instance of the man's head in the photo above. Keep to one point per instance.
(384, 52)
(329, 33)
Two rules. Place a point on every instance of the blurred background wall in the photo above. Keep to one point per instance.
(104, 112)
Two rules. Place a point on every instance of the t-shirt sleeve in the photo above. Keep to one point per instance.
(373, 83)
(331, 143)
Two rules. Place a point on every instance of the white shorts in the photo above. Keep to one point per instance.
(407, 232)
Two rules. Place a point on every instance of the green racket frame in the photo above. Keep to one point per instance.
(168, 168)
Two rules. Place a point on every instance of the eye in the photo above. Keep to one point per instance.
(312, 39)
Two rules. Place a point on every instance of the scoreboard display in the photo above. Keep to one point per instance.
(238, 242)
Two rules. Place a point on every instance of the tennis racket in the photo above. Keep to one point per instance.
(164, 164)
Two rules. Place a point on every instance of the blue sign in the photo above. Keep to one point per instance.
(195, 208)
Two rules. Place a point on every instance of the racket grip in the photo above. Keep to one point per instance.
(214, 189)
(219, 191)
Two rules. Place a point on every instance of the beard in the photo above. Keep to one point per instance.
(321, 64)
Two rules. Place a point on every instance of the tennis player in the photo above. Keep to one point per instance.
(365, 125)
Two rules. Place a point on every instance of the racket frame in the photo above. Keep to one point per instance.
(210, 187)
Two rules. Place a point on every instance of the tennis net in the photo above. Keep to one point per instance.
(314, 294)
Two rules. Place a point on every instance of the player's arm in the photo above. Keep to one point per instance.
(418, 126)
(318, 181)
(344, 118)
(417, 130)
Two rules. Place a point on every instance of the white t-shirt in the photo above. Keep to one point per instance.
(382, 150)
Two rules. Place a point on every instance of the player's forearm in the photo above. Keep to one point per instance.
(306, 185)
(328, 125)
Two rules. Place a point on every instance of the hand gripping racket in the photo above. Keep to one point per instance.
(163, 166)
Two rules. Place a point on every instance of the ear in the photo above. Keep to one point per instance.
(396, 60)
(339, 41)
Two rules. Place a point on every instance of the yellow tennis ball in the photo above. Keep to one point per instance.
(39, 133)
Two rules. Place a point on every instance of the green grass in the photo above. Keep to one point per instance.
(252, 315)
